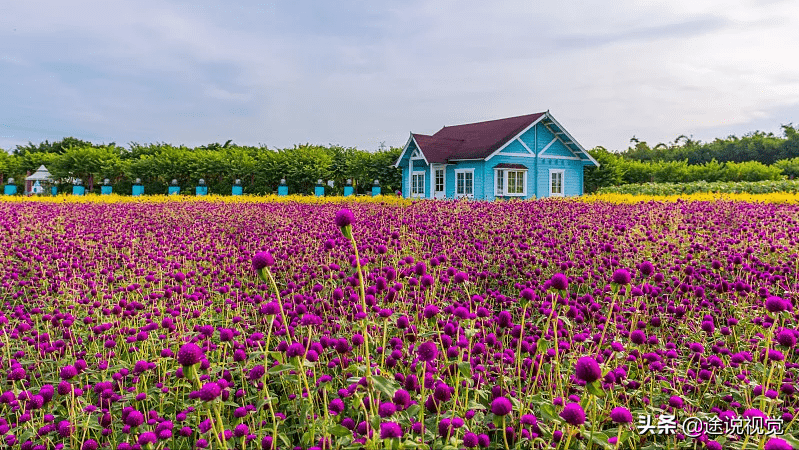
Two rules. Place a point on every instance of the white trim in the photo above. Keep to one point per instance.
(572, 139)
(459, 171)
(424, 184)
(532, 153)
(469, 159)
(404, 149)
(529, 154)
(433, 168)
(520, 155)
(496, 152)
(562, 157)
(546, 147)
(562, 173)
(504, 172)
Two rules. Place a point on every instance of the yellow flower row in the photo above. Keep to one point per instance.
(114, 198)
(776, 197)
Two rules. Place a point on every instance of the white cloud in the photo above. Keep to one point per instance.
(358, 73)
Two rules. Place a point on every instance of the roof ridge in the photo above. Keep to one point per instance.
(496, 120)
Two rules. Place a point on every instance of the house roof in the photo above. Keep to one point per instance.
(479, 140)
(482, 139)
(473, 140)
(510, 166)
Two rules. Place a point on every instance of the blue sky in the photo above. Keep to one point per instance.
(358, 73)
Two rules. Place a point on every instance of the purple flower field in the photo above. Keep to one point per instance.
(439, 325)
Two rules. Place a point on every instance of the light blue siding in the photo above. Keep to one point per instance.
(488, 174)
(572, 176)
(514, 147)
(479, 182)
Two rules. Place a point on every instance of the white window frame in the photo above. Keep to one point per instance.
(417, 194)
(464, 194)
(562, 173)
(504, 173)
(443, 169)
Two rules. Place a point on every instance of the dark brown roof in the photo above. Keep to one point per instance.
(510, 166)
(473, 140)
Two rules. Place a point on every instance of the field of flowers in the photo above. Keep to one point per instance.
(389, 324)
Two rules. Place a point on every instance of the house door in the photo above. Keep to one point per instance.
(438, 182)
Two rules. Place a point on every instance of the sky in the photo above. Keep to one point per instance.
(360, 73)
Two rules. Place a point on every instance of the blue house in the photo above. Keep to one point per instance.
(518, 157)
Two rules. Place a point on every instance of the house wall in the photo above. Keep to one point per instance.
(488, 173)
(557, 156)
(572, 176)
(479, 183)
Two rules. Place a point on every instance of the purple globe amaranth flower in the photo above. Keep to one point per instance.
(68, 372)
(134, 419)
(621, 276)
(777, 444)
(501, 406)
(189, 355)
(470, 440)
(90, 444)
(427, 351)
(402, 398)
(335, 407)
(675, 402)
(559, 281)
(147, 437)
(786, 338)
(646, 268)
(621, 415)
(262, 260)
(210, 391)
(587, 369)
(65, 429)
(573, 414)
(776, 304)
(344, 219)
(390, 430)
(528, 419)
(241, 430)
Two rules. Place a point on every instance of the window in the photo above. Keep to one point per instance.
(510, 183)
(556, 182)
(439, 180)
(417, 184)
(464, 182)
(500, 182)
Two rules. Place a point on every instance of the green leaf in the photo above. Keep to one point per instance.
(339, 431)
(595, 389)
(600, 438)
(276, 370)
(548, 413)
(475, 405)
(465, 369)
(791, 440)
(385, 386)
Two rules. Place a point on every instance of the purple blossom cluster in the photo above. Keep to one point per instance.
(505, 325)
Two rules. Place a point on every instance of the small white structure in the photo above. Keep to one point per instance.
(41, 175)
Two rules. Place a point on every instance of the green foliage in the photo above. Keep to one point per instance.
(259, 168)
(757, 146)
(609, 173)
(789, 167)
(719, 187)
(750, 171)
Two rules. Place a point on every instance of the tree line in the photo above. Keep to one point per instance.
(757, 156)
(260, 169)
